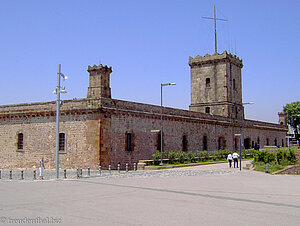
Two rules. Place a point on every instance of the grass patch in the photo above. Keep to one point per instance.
(273, 167)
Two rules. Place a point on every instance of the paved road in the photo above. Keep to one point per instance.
(202, 195)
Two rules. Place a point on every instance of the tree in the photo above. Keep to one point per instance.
(293, 116)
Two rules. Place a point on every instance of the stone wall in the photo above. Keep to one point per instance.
(96, 129)
(292, 170)
(38, 126)
(140, 119)
(95, 132)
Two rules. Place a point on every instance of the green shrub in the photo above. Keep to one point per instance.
(191, 157)
(181, 156)
(156, 157)
(291, 156)
(270, 157)
(202, 155)
(171, 155)
(281, 155)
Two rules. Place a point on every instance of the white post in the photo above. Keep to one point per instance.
(57, 120)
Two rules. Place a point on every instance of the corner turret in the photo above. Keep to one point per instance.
(99, 82)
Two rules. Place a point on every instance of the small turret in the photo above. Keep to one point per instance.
(99, 82)
(282, 118)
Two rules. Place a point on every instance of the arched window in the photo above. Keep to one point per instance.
(267, 141)
(20, 141)
(275, 142)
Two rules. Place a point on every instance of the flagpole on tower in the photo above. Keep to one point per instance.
(215, 22)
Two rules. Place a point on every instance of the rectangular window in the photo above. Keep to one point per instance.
(62, 137)
(184, 143)
(159, 142)
(234, 84)
(20, 141)
(204, 143)
(128, 142)
(236, 144)
(207, 110)
(207, 82)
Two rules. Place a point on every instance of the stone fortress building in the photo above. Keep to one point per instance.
(101, 130)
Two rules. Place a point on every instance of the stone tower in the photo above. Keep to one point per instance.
(216, 85)
(282, 118)
(99, 82)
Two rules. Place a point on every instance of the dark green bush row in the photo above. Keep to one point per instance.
(280, 157)
(175, 157)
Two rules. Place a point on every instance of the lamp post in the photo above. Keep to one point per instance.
(242, 136)
(162, 124)
(59, 89)
(240, 147)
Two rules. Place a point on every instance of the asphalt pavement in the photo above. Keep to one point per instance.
(200, 195)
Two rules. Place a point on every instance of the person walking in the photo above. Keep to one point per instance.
(235, 157)
(229, 159)
(41, 169)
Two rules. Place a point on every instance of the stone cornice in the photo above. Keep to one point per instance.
(113, 106)
(215, 58)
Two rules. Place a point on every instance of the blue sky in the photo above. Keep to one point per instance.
(147, 43)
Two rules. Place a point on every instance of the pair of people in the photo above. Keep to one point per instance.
(235, 157)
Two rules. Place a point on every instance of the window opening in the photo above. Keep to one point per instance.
(20, 141)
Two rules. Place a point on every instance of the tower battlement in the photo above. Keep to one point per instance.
(100, 67)
(217, 57)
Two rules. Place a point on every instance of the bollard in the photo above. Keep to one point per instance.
(134, 166)
(78, 173)
(0, 174)
(65, 173)
(22, 174)
(10, 174)
(89, 171)
(126, 167)
(119, 168)
(34, 174)
(99, 170)
(109, 168)
(267, 168)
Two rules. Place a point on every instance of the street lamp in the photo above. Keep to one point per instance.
(242, 136)
(59, 89)
(162, 124)
(240, 147)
